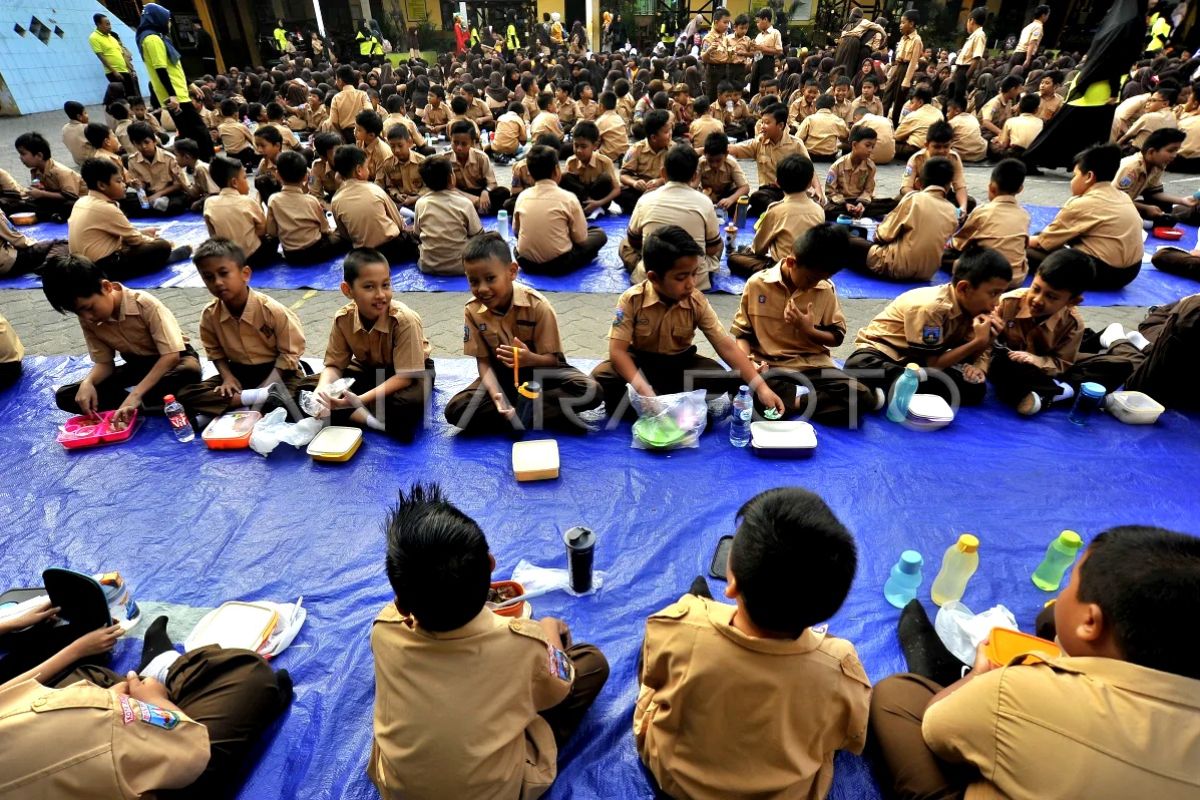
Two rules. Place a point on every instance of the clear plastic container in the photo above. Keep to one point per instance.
(502, 224)
(1060, 555)
(901, 586)
(1090, 398)
(958, 565)
(902, 393)
(739, 423)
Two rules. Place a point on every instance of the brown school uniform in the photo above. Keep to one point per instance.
(918, 324)
(974, 47)
(625, 108)
(742, 51)
(365, 214)
(1053, 341)
(679, 204)
(702, 127)
(885, 141)
(719, 183)
(916, 163)
(57, 178)
(395, 342)
(323, 181)
(873, 106)
(529, 102)
(643, 163)
(568, 111)
(1145, 125)
(996, 111)
(121, 131)
(157, 173)
(11, 349)
(716, 48)
(296, 218)
(800, 110)
(784, 222)
(1002, 225)
(11, 191)
(968, 139)
(848, 182)
(237, 217)
(1021, 130)
(267, 332)
(143, 327)
(822, 133)
(290, 140)
(759, 319)
(910, 240)
(614, 134)
(651, 325)
(476, 174)
(392, 120)
(199, 182)
(402, 179)
(235, 137)
(1135, 177)
(345, 107)
(510, 133)
(478, 110)
(599, 167)
(444, 221)
(914, 126)
(12, 244)
(1049, 106)
(378, 153)
(588, 109)
(844, 110)
(436, 117)
(98, 228)
(768, 154)
(908, 52)
(549, 221)
(75, 142)
(812, 692)
(1103, 223)
(545, 122)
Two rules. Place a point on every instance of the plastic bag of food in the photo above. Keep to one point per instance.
(274, 429)
(962, 631)
(669, 421)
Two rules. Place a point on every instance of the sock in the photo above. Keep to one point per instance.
(252, 397)
(373, 423)
(156, 642)
(1111, 335)
(1136, 339)
(160, 665)
(1065, 392)
(923, 649)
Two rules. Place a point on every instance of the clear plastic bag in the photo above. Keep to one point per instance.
(962, 631)
(311, 404)
(274, 429)
(669, 421)
(543, 580)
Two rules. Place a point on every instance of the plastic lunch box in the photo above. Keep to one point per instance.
(80, 432)
(336, 443)
(795, 439)
(231, 431)
(1134, 408)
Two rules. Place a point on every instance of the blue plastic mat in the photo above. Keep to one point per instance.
(606, 274)
(194, 527)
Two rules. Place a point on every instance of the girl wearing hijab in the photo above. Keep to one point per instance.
(167, 79)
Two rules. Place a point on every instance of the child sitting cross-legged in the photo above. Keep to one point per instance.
(298, 219)
(445, 220)
(553, 237)
(365, 214)
(232, 214)
(783, 222)
(157, 172)
(467, 703)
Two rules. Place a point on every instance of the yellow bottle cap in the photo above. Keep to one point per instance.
(1070, 539)
(912, 368)
(968, 543)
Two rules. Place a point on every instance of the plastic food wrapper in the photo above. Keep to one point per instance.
(962, 631)
(311, 404)
(543, 580)
(289, 618)
(669, 421)
(274, 429)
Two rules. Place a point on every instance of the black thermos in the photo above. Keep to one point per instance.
(581, 549)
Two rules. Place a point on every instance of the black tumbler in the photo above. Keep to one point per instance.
(581, 549)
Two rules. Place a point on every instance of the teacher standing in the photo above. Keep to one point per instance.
(167, 78)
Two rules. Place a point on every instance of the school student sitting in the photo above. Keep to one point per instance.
(445, 220)
(823, 132)
(783, 222)
(765, 649)
(721, 177)
(379, 343)
(1155, 116)
(100, 232)
(297, 219)
(473, 173)
(157, 172)
(232, 214)
(368, 134)
(914, 125)
(1140, 176)
(53, 188)
(705, 124)
(269, 145)
(200, 185)
(553, 237)
(400, 175)
(641, 171)
(767, 149)
(364, 214)
(968, 139)
(502, 318)
(511, 132)
(20, 255)
(1019, 131)
(236, 139)
(467, 703)
(72, 133)
(613, 129)
(850, 183)
(590, 175)
(938, 145)
(1000, 224)
(157, 359)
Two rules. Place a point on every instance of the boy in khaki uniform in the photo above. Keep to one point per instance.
(823, 132)
(13, 196)
(914, 126)
(158, 360)
(704, 124)
(904, 66)
(297, 219)
(368, 134)
(504, 317)
(157, 172)
(641, 171)
(553, 237)
(801, 682)
(805, 105)
(789, 319)
(968, 139)
(347, 103)
(236, 139)
(444, 221)
(363, 212)
(400, 175)
(1156, 114)
(511, 132)
(467, 703)
(868, 100)
(613, 129)
(1019, 131)
(1046, 727)
(1099, 220)
(768, 149)
(232, 214)
(53, 187)
(995, 112)
(783, 222)
(546, 121)
(20, 255)
(436, 113)
(473, 172)
(1140, 176)
(716, 51)
(11, 353)
(72, 133)
(199, 184)
(252, 339)
(937, 145)
(850, 184)
(721, 177)
(885, 136)
(1000, 224)
(591, 176)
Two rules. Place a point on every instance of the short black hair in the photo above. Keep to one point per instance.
(1009, 176)
(1102, 160)
(1169, 92)
(325, 141)
(912, 15)
(824, 249)
(777, 111)
(978, 264)
(487, 246)
(97, 17)
(544, 99)
(436, 173)
(1009, 83)
(394, 104)
(654, 122)
(956, 102)
(720, 13)
(794, 173)
(716, 144)
(459, 104)
(73, 108)
(541, 162)
(370, 122)
(667, 245)
(782, 533)
(979, 15)
(346, 74)
(1054, 75)
(187, 147)
(587, 130)
(923, 93)
(96, 171)
(96, 134)
(292, 166)
(229, 107)
(347, 158)
(937, 171)
(871, 79)
(1146, 581)
(940, 132)
(33, 142)
(69, 278)
(608, 100)
(681, 163)
(118, 110)
(274, 111)
(741, 19)
(399, 131)
(218, 248)
(1068, 270)
(1029, 103)
(765, 13)
(141, 131)
(462, 128)
(358, 258)
(224, 169)
(1041, 11)
(269, 133)
(825, 101)
(1158, 139)
(863, 132)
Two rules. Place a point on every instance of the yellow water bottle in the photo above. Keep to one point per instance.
(958, 565)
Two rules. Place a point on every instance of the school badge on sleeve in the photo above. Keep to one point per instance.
(618, 317)
(560, 664)
(931, 334)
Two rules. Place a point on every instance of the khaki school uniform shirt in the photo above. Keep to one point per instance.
(996, 111)
(916, 163)
(844, 110)
(401, 179)
(626, 107)
(478, 110)
(643, 163)
(58, 178)
(1189, 124)
(1148, 124)
(156, 173)
(121, 131)
(1127, 111)
(456, 712)
(365, 214)
(885, 141)
(323, 181)
(701, 128)
(721, 181)
(1073, 728)
(345, 107)
(89, 743)
(1002, 225)
(974, 47)
(235, 137)
(1031, 37)
(872, 106)
(98, 227)
(378, 154)
(529, 318)
(545, 122)
(771, 39)
(773, 340)
(199, 182)
(296, 218)
(588, 109)
(1105, 224)
(267, 332)
(568, 111)
(910, 241)
(436, 117)
(237, 217)
(549, 222)
(290, 140)
(1049, 106)
(919, 325)
(75, 142)
(11, 348)
(848, 182)
(768, 154)
(143, 327)
(651, 324)
(914, 126)
(784, 222)
(598, 167)
(968, 141)
(1021, 130)
(908, 53)
(716, 48)
(444, 221)
(510, 133)
(11, 240)
(476, 173)
(1135, 177)
(396, 341)
(741, 51)
(800, 110)
(1053, 341)
(614, 134)
(676, 203)
(810, 693)
(822, 132)
(9, 185)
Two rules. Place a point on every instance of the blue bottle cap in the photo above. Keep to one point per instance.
(910, 561)
(1093, 390)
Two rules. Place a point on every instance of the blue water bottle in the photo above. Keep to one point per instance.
(902, 393)
(902, 584)
(1090, 396)
(739, 425)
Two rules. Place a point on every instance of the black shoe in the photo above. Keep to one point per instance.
(279, 397)
(181, 253)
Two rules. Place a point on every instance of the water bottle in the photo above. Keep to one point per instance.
(502, 224)
(1059, 557)
(743, 208)
(178, 419)
(739, 425)
(142, 201)
(902, 584)
(581, 550)
(1090, 396)
(902, 393)
(958, 565)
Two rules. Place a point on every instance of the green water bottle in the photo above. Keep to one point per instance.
(1059, 557)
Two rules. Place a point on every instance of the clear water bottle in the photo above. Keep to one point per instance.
(178, 419)
(142, 201)
(1059, 557)
(902, 393)
(1090, 396)
(739, 425)
(958, 565)
(901, 586)
(502, 224)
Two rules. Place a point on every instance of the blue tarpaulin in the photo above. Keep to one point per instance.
(605, 274)
(194, 527)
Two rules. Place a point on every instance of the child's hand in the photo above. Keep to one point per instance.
(505, 352)
(768, 398)
(146, 691)
(502, 405)
(982, 662)
(982, 329)
(34, 616)
(856, 209)
(87, 399)
(120, 418)
(229, 387)
(97, 642)
(337, 402)
(485, 202)
(973, 374)
(591, 207)
(727, 203)
(1021, 357)
(801, 319)
(640, 185)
